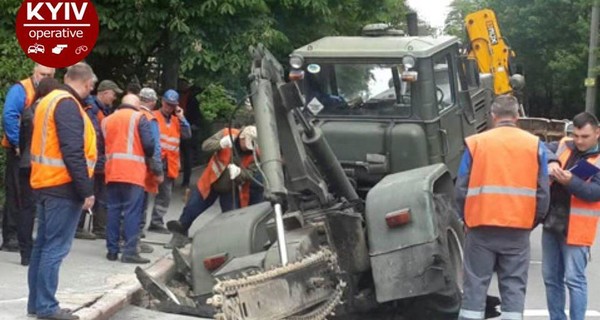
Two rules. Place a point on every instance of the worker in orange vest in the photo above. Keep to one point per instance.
(571, 225)
(19, 206)
(129, 148)
(173, 127)
(63, 156)
(502, 190)
(225, 175)
(97, 108)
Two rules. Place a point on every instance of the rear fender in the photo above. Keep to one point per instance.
(238, 233)
(405, 260)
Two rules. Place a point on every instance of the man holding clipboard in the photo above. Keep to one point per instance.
(571, 223)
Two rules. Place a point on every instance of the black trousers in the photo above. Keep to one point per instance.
(11, 192)
(26, 216)
(186, 148)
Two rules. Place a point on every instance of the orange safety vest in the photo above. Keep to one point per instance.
(503, 181)
(583, 216)
(170, 134)
(47, 166)
(125, 160)
(151, 186)
(29, 95)
(217, 165)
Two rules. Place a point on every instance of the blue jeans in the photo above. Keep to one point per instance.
(57, 218)
(128, 200)
(563, 264)
(196, 205)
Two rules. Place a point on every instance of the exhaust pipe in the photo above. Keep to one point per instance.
(412, 21)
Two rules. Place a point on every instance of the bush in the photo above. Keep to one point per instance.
(217, 104)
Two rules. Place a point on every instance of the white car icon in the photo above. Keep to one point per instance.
(36, 48)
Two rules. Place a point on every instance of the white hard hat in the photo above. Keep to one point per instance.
(249, 135)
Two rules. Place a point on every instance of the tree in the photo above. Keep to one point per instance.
(208, 40)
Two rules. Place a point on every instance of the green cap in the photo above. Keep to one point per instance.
(109, 85)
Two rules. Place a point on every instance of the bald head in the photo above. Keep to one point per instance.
(132, 100)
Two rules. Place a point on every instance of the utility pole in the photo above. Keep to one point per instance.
(590, 81)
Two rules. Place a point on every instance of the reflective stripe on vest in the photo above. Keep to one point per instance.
(125, 157)
(583, 215)
(502, 190)
(471, 314)
(169, 142)
(503, 179)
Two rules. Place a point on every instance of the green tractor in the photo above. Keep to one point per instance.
(359, 151)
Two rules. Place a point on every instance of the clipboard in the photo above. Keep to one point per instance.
(584, 170)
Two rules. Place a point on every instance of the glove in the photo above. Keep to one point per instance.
(225, 142)
(234, 171)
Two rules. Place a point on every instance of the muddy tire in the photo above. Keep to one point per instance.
(445, 304)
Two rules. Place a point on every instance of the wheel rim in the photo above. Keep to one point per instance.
(455, 252)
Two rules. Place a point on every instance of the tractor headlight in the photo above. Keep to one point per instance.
(296, 61)
(409, 62)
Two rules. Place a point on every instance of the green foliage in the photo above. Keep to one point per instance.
(217, 103)
(208, 40)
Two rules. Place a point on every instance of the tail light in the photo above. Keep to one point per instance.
(295, 75)
(213, 263)
(398, 218)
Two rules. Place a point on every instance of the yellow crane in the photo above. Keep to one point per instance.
(489, 49)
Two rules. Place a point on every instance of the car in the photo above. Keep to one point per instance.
(36, 48)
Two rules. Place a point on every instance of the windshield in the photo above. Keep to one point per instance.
(356, 89)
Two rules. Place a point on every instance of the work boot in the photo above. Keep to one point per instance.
(25, 260)
(31, 314)
(158, 229)
(177, 241)
(176, 227)
(112, 256)
(144, 248)
(85, 235)
(134, 259)
(61, 314)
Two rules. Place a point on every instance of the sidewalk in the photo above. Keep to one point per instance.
(90, 284)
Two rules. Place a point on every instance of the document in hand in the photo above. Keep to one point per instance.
(584, 169)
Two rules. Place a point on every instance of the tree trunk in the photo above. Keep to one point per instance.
(170, 63)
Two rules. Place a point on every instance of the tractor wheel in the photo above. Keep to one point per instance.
(445, 303)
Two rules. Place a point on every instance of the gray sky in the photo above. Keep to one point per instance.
(432, 11)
